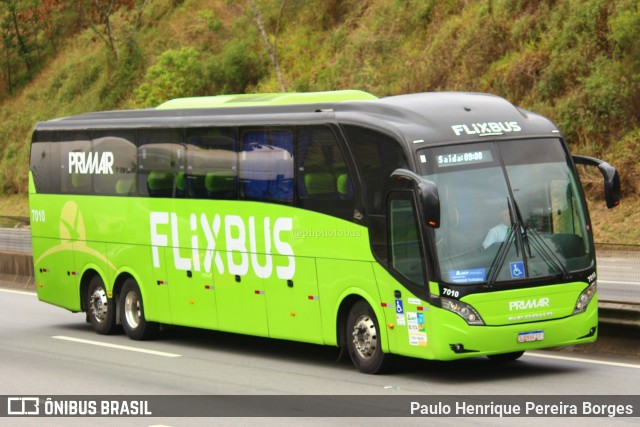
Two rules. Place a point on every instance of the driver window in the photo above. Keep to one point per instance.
(405, 253)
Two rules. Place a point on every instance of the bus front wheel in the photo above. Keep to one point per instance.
(132, 313)
(101, 310)
(363, 339)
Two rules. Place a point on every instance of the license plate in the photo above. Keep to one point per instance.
(530, 336)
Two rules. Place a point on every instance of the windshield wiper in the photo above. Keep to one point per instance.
(538, 243)
(501, 256)
(503, 250)
(546, 253)
(524, 235)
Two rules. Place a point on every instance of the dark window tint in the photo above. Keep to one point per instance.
(77, 162)
(266, 164)
(212, 164)
(377, 155)
(115, 158)
(40, 162)
(161, 164)
(404, 240)
(324, 182)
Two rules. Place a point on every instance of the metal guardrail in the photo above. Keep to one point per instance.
(15, 240)
(618, 273)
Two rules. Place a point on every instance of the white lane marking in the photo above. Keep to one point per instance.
(12, 291)
(578, 359)
(116, 346)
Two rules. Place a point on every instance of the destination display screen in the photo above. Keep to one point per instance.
(464, 158)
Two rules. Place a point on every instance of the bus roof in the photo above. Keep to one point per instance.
(416, 119)
(264, 99)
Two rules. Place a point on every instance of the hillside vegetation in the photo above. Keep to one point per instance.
(575, 61)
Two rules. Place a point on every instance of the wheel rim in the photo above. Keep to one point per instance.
(132, 311)
(98, 305)
(365, 337)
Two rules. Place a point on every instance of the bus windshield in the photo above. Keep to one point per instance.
(510, 210)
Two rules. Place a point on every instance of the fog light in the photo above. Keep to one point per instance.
(457, 348)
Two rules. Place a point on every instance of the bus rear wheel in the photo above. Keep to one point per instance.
(132, 313)
(101, 310)
(363, 339)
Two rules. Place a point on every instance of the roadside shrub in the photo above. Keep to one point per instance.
(178, 73)
(607, 95)
(235, 69)
(625, 30)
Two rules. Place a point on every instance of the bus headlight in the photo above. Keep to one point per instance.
(585, 298)
(468, 313)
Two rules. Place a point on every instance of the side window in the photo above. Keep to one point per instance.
(404, 241)
(161, 165)
(40, 162)
(212, 164)
(266, 164)
(76, 160)
(115, 156)
(324, 182)
(377, 155)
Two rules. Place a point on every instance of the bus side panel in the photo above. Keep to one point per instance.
(53, 264)
(136, 261)
(192, 294)
(337, 280)
(410, 317)
(91, 256)
(293, 306)
(240, 303)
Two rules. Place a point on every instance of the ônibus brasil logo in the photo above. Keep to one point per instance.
(241, 244)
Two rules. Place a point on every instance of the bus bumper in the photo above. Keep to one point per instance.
(455, 339)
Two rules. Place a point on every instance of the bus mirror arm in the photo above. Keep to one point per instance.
(426, 191)
(610, 175)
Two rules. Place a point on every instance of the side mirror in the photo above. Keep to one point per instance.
(610, 175)
(426, 191)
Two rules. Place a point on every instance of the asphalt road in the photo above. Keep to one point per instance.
(45, 350)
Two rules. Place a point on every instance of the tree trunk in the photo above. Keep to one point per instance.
(270, 48)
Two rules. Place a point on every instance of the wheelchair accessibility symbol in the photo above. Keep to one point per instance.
(517, 269)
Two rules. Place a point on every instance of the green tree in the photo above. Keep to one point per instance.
(98, 16)
(22, 24)
(177, 73)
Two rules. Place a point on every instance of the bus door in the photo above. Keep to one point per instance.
(405, 277)
(404, 287)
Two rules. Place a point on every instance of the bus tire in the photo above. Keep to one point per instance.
(132, 313)
(363, 339)
(101, 310)
(506, 357)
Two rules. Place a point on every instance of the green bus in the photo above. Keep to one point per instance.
(432, 225)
